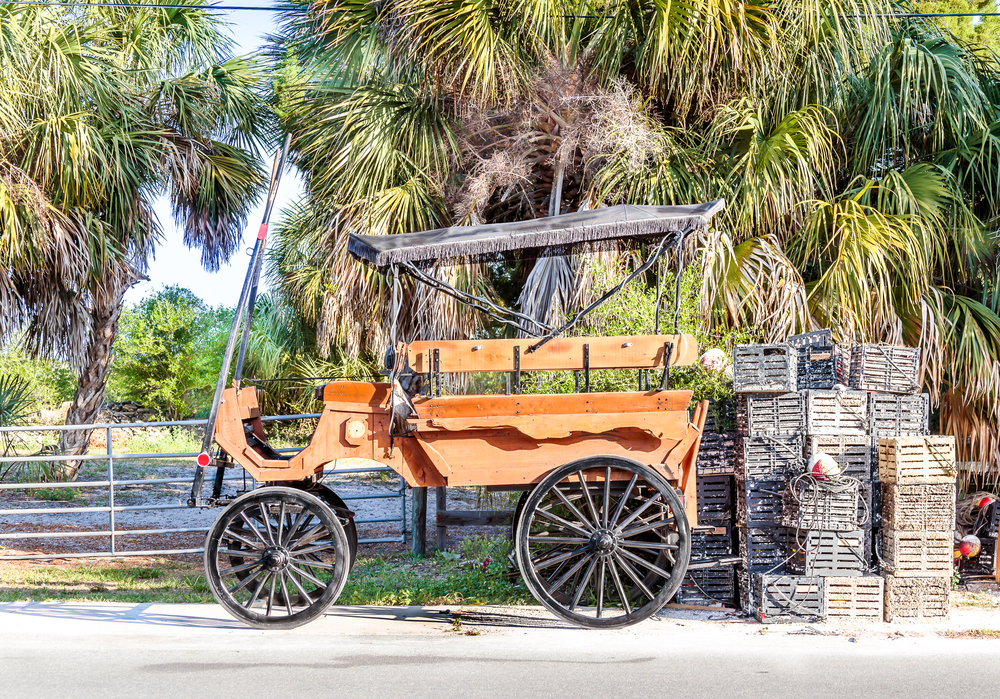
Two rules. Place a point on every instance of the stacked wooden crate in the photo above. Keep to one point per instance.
(714, 538)
(918, 520)
(770, 424)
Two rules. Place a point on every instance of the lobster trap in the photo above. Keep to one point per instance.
(770, 414)
(837, 413)
(885, 368)
(897, 415)
(764, 369)
(789, 598)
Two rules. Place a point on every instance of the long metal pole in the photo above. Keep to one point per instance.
(249, 284)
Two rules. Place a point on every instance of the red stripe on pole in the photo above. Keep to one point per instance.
(262, 233)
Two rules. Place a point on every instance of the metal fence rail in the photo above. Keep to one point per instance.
(111, 482)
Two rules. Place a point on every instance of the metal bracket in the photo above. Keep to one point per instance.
(437, 372)
(517, 369)
(668, 354)
(586, 368)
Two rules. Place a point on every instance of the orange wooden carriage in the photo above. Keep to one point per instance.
(602, 533)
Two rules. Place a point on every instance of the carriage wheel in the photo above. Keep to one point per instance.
(276, 558)
(603, 542)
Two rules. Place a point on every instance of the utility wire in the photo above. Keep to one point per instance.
(258, 8)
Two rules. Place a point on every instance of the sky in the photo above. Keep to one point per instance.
(174, 264)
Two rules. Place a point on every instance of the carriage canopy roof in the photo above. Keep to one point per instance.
(623, 222)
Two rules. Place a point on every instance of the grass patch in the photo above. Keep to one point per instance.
(478, 574)
(975, 633)
(57, 494)
(113, 581)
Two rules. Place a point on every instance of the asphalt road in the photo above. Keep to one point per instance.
(107, 650)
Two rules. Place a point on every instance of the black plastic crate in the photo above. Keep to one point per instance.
(769, 457)
(983, 564)
(766, 549)
(816, 367)
(761, 503)
(764, 369)
(885, 368)
(715, 498)
(717, 454)
(714, 544)
(832, 554)
(898, 415)
(822, 338)
(852, 453)
(770, 413)
(709, 586)
(789, 598)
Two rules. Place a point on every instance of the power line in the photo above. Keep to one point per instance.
(259, 8)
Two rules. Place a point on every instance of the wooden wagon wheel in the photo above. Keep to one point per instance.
(334, 502)
(603, 542)
(276, 558)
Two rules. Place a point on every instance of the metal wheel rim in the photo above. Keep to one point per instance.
(276, 558)
(603, 545)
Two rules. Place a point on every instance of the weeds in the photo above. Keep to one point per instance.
(57, 494)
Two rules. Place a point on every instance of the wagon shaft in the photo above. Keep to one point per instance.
(489, 440)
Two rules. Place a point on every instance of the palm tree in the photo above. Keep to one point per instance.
(101, 111)
(859, 153)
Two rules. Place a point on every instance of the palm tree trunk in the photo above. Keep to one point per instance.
(93, 378)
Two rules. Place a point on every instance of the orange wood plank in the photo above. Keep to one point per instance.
(560, 426)
(560, 354)
(550, 404)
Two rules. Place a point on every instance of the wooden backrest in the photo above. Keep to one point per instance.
(560, 354)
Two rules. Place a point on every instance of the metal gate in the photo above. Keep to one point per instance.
(116, 507)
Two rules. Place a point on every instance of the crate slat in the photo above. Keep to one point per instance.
(897, 415)
(918, 507)
(885, 368)
(761, 503)
(816, 367)
(765, 549)
(837, 413)
(822, 338)
(709, 586)
(823, 553)
(917, 554)
(770, 414)
(715, 498)
(916, 599)
(767, 457)
(855, 598)
(764, 369)
(715, 544)
(717, 454)
(912, 460)
(789, 598)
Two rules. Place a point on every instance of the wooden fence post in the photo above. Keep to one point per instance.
(418, 546)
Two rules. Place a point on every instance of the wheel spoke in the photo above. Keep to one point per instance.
(293, 529)
(239, 569)
(230, 534)
(557, 540)
(618, 585)
(309, 537)
(628, 520)
(562, 522)
(606, 505)
(270, 596)
(557, 559)
(566, 576)
(288, 599)
(307, 576)
(583, 585)
(244, 582)
(588, 498)
(279, 537)
(313, 564)
(621, 503)
(628, 533)
(649, 546)
(267, 524)
(324, 546)
(646, 564)
(572, 508)
(636, 578)
(243, 516)
(302, 590)
(257, 591)
(600, 589)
